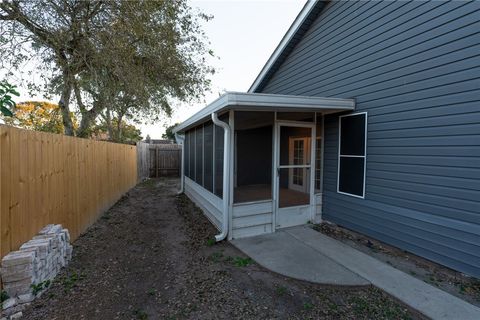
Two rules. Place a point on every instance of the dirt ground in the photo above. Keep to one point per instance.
(451, 281)
(151, 256)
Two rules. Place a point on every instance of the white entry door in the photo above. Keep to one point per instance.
(294, 166)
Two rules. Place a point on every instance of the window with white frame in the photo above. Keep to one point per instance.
(352, 154)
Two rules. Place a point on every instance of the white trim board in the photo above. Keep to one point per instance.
(266, 102)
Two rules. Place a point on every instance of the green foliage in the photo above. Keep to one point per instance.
(152, 292)
(36, 288)
(216, 256)
(4, 296)
(169, 133)
(307, 306)
(122, 132)
(281, 290)
(6, 101)
(70, 281)
(39, 116)
(211, 242)
(140, 314)
(242, 262)
(135, 58)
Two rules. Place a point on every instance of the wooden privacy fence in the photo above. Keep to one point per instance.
(48, 178)
(159, 160)
(143, 160)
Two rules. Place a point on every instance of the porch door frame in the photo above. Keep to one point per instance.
(276, 169)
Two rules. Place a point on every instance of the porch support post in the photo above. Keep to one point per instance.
(313, 146)
(181, 141)
(226, 176)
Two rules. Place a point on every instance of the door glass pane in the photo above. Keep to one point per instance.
(294, 186)
(295, 145)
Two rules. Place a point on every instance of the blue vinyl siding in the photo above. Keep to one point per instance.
(414, 67)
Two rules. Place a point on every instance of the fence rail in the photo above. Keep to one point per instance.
(48, 178)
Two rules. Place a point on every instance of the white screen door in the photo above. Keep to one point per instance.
(294, 169)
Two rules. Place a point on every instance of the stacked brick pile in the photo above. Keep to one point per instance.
(26, 273)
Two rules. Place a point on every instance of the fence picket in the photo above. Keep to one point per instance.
(47, 178)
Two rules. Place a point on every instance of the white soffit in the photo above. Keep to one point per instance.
(266, 102)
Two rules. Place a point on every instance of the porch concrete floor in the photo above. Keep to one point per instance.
(305, 254)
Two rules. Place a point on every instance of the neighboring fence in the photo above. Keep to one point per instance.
(48, 178)
(143, 160)
(159, 160)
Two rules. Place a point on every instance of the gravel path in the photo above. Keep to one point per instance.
(150, 257)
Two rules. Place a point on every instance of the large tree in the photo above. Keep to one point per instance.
(169, 135)
(122, 132)
(38, 116)
(117, 58)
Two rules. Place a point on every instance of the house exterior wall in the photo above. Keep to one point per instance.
(210, 204)
(252, 219)
(414, 68)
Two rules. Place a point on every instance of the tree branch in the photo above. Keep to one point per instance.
(13, 11)
(78, 97)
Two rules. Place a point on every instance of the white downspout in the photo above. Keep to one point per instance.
(181, 140)
(226, 175)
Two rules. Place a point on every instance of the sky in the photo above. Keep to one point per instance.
(243, 35)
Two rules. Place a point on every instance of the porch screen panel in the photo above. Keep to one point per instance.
(199, 155)
(218, 170)
(186, 156)
(253, 156)
(208, 156)
(191, 147)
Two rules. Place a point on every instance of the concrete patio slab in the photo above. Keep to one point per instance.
(303, 253)
(282, 253)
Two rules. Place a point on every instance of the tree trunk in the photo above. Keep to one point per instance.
(119, 128)
(88, 118)
(108, 121)
(64, 105)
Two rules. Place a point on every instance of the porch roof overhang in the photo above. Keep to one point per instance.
(266, 102)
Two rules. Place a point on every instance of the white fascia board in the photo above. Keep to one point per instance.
(266, 102)
(283, 43)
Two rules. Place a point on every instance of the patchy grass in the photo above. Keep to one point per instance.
(149, 183)
(70, 280)
(307, 306)
(242, 262)
(152, 292)
(36, 288)
(140, 314)
(161, 268)
(4, 296)
(211, 242)
(216, 256)
(281, 290)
